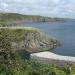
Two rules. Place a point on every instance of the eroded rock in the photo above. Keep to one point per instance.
(29, 39)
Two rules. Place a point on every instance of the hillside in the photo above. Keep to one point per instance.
(14, 39)
(9, 19)
(29, 39)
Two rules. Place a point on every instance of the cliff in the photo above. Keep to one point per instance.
(28, 38)
(9, 19)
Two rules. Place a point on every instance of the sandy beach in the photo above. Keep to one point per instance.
(49, 57)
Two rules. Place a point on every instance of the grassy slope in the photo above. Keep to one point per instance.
(4, 17)
(12, 64)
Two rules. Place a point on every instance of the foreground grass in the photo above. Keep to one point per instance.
(33, 68)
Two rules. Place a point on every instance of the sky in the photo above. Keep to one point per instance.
(52, 8)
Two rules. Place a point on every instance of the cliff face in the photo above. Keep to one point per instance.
(29, 39)
(11, 19)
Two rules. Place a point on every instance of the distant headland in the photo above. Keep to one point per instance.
(11, 19)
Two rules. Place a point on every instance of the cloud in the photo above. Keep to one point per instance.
(3, 5)
(53, 8)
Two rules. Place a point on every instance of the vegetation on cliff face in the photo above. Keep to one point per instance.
(11, 19)
(30, 39)
(12, 64)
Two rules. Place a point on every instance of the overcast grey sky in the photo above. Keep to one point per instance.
(53, 8)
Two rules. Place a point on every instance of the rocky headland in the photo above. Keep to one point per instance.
(13, 19)
(28, 38)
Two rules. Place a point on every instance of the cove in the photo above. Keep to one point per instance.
(62, 31)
